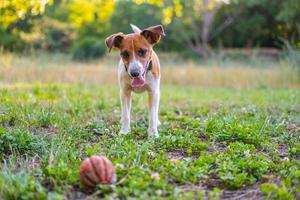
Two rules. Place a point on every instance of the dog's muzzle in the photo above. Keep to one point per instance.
(138, 75)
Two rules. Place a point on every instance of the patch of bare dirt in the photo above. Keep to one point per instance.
(283, 150)
(217, 148)
(293, 128)
(77, 195)
(211, 183)
(249, 193)
(179, 154)
(207, 186)
(175, 156)
(8, 124)
(46, 131)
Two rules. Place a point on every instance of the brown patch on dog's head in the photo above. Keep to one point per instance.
(114, 40)
(136, 48)
(153, 34)
(131, 45)
(135, 45)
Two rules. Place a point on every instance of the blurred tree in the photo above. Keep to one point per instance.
(195, 25)
(199, 16)
(289, 15)
(199, 25)
(15, 16)
(83, 13)
(12, 11)
(193, 20)
(142, 15)
(261, 23)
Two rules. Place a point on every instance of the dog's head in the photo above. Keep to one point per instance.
(136, 50)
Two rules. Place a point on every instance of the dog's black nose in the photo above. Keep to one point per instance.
(134, 73)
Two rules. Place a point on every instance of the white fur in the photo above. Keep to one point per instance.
(135, 28)
(135, 64)
(152, 85)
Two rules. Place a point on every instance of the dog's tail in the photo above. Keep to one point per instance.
(135, 28)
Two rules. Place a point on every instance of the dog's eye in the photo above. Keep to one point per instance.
(125, 54)
(142, 52)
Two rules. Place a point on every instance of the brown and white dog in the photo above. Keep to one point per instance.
(138, 71)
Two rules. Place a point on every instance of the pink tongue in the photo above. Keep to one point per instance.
(137, 82)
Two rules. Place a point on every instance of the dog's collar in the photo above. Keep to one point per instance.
(149, 67)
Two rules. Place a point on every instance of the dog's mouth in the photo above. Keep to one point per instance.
(138, 81)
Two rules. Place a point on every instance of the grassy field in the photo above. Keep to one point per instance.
(220, 139)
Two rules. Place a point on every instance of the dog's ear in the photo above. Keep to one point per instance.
(114, 40)
(153, 34)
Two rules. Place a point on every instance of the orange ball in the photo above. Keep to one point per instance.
(96, 170)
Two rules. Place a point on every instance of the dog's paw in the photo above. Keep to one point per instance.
(153, 133)
(124, 131)
(158, 123)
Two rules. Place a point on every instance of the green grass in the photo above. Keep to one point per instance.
(212, 141)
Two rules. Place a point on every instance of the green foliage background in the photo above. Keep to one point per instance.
(58, 24)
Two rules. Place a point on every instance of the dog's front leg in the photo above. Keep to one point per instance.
(153, 112)
(125, 96)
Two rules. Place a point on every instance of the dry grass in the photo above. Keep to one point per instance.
(59, 68)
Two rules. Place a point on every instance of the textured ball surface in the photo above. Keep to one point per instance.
(97, 170)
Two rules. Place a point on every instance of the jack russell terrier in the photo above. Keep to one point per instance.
(138, 71)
